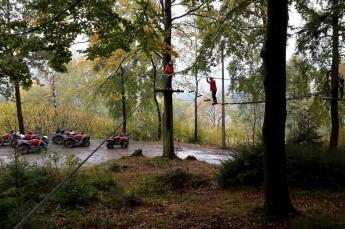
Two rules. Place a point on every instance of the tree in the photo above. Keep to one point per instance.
(277, 199)
(26, 46)
(323, 28)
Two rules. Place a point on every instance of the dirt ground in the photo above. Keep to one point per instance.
(208, 206)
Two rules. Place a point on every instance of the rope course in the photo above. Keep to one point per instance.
(67, 178)
(207, 98)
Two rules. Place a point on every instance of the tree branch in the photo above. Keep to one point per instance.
(189, 11)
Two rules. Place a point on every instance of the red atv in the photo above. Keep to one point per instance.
(60, 135)
(29, 136)
(120, 139)
(34, 145)
(79, 139)
(10, 139)
(6, 138)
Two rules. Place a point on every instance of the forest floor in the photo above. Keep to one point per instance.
(205, 205)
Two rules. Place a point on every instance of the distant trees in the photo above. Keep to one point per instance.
(25, 46)
(319, 40)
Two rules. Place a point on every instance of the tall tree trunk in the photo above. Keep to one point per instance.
(168, 126)
(334, 77)
(196, 92)
(123, 100)
(19, 108)
(277, 199)
(159, 117)
(54, 95)
(196, 107)
(254, 124)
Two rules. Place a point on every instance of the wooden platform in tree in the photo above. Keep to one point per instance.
(169, 90)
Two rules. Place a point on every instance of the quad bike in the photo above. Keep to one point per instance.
(79, 139)
(28, 137)
(120, 139)
(60, 135)
(31, 146)
(6, 138)
(10, 139)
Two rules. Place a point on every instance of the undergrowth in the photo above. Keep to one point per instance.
(308, 166)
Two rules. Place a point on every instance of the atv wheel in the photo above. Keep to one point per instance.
(2, 141)
(69, 143)
(110, 145)
(58, 140)
(125, 145)
(86, 144)
(23, 149)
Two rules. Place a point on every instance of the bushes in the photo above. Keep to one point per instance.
(38, 118)
(23, 186)
(308, 166)
(177, 180)
(245, 168)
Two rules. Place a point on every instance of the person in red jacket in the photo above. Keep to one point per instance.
(169, 72)
(213, 89)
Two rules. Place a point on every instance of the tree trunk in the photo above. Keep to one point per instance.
(196, 107)
(54, 95)
(254, 124)
(196, 91)
(123, 99)
(168, 127)
(334, 77)
(277, 199)
(19, 108)
(159, 117)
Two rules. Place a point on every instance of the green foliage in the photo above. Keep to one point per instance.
(76, 192)
(244, 168)
(311, 166)
(39, 119)
(22, 186)
(176, 180)
(305, 122)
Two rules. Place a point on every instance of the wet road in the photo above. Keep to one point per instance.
(202, 153)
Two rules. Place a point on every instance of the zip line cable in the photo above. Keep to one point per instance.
(68, 177)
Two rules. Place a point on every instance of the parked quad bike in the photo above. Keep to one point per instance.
(7, 138)
(60, 136)
(121, 139)
(29, 137)
(10, 139)
(77, 140)
(31, 146)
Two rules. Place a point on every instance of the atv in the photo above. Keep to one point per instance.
(31, 146)
(10, 138)
(74, 140)
(7, 138)
(120, 139)
(60, 135)
(29, 136)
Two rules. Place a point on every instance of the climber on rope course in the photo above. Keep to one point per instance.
(169, 72)
(213, 89)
